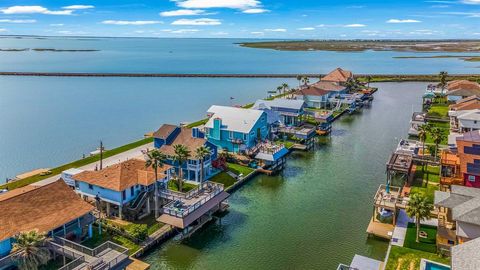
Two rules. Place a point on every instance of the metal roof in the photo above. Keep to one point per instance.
(295, 104)
(234, 119)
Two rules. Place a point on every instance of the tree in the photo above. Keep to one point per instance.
(181, 156)
(305, 80)
(443, 80)
(299, 79)
(201, 153)
(155, 160)
(438, 136)
(422, 135)
(30, 251)
(279, 90)
(419, 207)
(369, 79)
(285, 87)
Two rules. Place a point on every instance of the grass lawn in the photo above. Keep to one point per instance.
(97, 240)
(288, 144)
(426, 244)
(428, 191)
(239, 169)
(223, 178)
(197, 123)
(152, 224)
(438, 111)
(431, 172)
(76, 164)
(402, 258)
(186, 187)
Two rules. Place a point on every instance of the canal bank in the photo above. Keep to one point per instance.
(313, 215)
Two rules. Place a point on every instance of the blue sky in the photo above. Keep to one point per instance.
(319, 19)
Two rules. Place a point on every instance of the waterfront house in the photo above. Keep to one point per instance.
(460, 89)
(464, 120)
(169, 135)
(466, 256)
(458, 216)
(462, 167)
(125, 187)
(461, 107)
(236, 129)
(418, 119)
(286, 112)
(338, 76)
(53, 209)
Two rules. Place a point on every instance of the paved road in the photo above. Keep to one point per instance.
(133, 153)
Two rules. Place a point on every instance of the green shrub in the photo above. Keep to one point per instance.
(138, 231)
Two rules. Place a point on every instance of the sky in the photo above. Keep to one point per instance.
(283, 19)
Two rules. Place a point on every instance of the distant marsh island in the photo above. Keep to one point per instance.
(48, 50)
(469, 58)
(364, 45)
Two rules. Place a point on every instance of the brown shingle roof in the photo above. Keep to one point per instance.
(184, 138)
(469, 103)
(164, 131)
(43, 208)
(338, 75)
(328, 86)
(121, 176)
(463, 84)
(311, 91)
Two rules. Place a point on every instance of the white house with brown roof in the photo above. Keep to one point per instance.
(53, 209)
(192, 138)
(122, 187)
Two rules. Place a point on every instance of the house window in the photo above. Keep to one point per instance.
(230, 134)
(471, 178)
(475, 121)
(245, 136)
(207, 131)
(132, 191)
(90, 186)
(124, 195)
(252, 133)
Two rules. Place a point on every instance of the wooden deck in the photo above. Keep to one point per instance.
(137, 265)
(381, 230)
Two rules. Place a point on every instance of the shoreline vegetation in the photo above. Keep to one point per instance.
(360, 77)
(364, 45)
(468, 58)
(48, 50)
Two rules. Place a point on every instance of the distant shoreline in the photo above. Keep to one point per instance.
(362, 77)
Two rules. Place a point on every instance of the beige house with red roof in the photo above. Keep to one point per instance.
(123, 187)
(317, 95)
(53, 209)
(459, 89)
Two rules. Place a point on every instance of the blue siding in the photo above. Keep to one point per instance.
(5, 247)
(109, 194)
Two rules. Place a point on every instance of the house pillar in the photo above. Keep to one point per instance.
(108, 209)
(90, 230)
(64, 230)
(99, 228)
(148, 203)
(120, 215)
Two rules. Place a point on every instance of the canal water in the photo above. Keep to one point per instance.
(314, 214)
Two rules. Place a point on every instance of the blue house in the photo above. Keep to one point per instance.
(236, 129)
(169, 135)
(125, 187)
(288, 112)
(53, 209)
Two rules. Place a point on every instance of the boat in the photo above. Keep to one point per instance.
(324, 129)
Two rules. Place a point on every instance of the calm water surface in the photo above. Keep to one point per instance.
(207, 56)
(314, 215)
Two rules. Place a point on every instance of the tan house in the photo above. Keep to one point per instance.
(458, 216)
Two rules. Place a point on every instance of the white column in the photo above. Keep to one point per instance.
(148, 203)
(120, 211)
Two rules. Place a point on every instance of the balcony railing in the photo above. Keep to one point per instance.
(73, 264)
(175, 208)
(451, 181)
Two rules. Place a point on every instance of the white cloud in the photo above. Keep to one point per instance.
(34, 10)
(78, 7)
(3, 30)
(130, 22)
(57, 24)
(471, 2)
(219, 33)
(202, 21)
(17, 21)
(255, 10)
(182, 12)
(403, 21)
(321, 25)
(355, 25)
(234, 4)
(275, 30)
(306, 28)
(257, 33)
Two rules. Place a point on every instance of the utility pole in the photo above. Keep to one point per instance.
(101, 155)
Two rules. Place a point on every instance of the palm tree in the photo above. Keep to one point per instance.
(422, 135)
(181, 156)
(279, 90)
(285, 87)
(305, 80)
(438, 136)
(201, 153)
(299, 79)
(369, 79)
(419, 207)
(443, 80)
(155, 160)
(30, 251)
